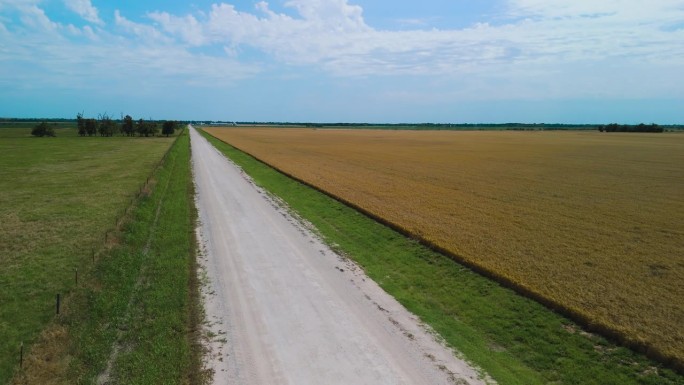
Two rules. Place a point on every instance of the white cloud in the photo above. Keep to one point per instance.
(85, 9)
(537, 49)
(188, 28)
(330, 15)
(144, 32)
(35, 18)
(625, 9)
(333, 34)
(10, 4)
(137, 56)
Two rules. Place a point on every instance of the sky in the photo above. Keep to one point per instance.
(378, 61)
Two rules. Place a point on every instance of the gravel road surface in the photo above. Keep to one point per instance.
(285, 309)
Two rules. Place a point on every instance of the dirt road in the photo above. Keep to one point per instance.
(285, 309)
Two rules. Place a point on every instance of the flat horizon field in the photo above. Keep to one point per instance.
(590, 221)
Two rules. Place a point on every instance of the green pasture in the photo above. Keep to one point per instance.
(59, 198)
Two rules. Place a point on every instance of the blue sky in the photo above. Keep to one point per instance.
(459, 61)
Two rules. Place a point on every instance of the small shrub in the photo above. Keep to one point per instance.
(43, 129)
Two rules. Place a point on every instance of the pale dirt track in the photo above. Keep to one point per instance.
(285, 309)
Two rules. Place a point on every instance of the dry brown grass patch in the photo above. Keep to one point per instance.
(48, 360)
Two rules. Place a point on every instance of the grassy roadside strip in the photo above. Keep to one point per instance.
(136, 317)
(514, 339)
(159, 340)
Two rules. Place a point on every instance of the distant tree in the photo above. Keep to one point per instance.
(168, 128)
(146, 127)
(91, 127)
(655, 128)
(127, 126)
(106, 126)
(614, 127)
(140, 127)
(153, 128)
(80, 123)
(43, 129)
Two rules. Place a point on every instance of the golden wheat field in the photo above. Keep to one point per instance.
(591, 221)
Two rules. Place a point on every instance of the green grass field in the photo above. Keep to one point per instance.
(514, 339)
(60, 196)
(23, 129)
(137, 318)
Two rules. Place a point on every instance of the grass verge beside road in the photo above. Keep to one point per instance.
(146, 291)
(133, 316)
(514, 339)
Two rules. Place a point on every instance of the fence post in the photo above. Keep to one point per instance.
(57, 305)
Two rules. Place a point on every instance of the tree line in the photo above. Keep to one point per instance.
(104, 125)
(614, 127)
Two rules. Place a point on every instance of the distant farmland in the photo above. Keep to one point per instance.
(589, 222)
